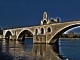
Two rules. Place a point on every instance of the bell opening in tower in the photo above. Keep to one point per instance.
(44, 22)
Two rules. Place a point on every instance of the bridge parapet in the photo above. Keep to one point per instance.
(60, 28)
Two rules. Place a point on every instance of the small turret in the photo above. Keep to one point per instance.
(56, 20)
(45, 15)
(45, 19)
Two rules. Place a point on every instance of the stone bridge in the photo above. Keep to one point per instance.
(48, 31)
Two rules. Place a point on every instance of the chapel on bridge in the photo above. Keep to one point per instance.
(47, 20)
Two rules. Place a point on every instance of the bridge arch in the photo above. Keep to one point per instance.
(23, 32)
(36, 31)
(49, 29)
(8, 34)
(62, 30)
(42, 30)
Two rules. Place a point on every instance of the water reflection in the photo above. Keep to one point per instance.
(28, 51)
(4, 56)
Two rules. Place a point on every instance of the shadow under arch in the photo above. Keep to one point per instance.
(7, 35)
(58, 34)
(24, 34)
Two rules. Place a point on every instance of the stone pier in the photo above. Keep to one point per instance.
(39, 39)
(12, 37)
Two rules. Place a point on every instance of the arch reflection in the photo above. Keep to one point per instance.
(37, 52)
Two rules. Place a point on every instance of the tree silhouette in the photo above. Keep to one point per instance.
(71, 34)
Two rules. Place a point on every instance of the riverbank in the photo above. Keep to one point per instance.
(69, 38)
(28, 37)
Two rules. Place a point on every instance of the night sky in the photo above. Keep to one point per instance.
(19, 13)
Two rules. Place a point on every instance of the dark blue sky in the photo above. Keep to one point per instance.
(17, 13)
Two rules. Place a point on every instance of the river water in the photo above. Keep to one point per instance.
(70, 48)
(15, 50)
